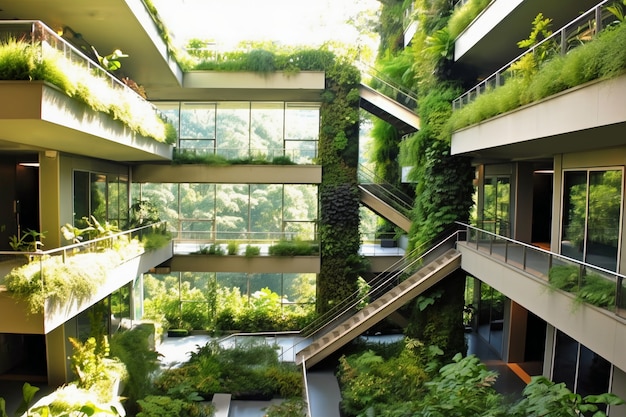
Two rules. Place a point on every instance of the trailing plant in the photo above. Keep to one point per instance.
(588, 287)
(56, 280)
(601, 58)
(464, 15)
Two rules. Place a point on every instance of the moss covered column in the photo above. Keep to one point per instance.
(339, 196)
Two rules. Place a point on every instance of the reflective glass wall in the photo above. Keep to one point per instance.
(211, 212)
(590, 229)
(241, 130)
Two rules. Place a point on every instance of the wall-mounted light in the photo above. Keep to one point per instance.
(29, 164)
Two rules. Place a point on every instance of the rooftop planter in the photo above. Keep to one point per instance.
(33, 52)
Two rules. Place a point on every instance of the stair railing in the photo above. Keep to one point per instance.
(384, 281)
(387, 87)
(385, 191)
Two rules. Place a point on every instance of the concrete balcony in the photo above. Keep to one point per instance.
(17, 317)
(39, 116)
(590, 116)
(233, 174)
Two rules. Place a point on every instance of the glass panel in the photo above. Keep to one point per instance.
(261, 281)
(172, 113)
(98, 196)
(301, 151)
(165, 198)
(266, 201)
(300, 202)
(266, 127)
(299, 288)
(202, 146)
(197, 229)
(197, 121)
(302, 121)
(574, 214)
(113, 199)
(593, 373)
(197, 201)
(605, 192)
(565, 359)
(302, 230)
(232, 211)
(123, 202)
(503, 201)
(81, 197)
(233, 129)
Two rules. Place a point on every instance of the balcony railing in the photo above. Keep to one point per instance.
(578, 32)
(41, 36)
(75, 269)
(588, 283)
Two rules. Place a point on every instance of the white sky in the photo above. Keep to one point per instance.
(290, 22)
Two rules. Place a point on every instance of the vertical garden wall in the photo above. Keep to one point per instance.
(339, 195)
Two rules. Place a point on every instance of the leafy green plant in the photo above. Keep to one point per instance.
(165, 406)
(111, 61)
(252, 250)
(464, 15)
(28, 242)
(543, 397)
(232, 248)
(588, 287)
(293, 407)
(293, 248)
(212, 249)
(135, 349)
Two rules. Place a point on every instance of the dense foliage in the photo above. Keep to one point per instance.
(248, 371)
(415, 382)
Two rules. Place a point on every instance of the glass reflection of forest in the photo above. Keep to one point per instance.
(592, 203)
(236, 130)
(251, 212)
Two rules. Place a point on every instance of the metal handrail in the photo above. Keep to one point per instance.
(378, 285)
(396, 88)
(75, 247)
(389, 193)
(67, 49)
(552, 258)
(592, 19)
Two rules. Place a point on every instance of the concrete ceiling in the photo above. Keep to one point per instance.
(497, 48)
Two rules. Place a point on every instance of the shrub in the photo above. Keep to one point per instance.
(252, 250)
(293, 248)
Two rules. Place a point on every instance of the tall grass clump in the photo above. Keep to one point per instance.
(464, 15)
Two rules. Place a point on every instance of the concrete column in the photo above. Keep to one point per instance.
(56, 354)
(523, 202)
(50, 198)
(516, 340)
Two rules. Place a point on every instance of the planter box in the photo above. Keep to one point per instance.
(388, 243)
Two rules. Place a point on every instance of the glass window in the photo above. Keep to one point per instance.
(232, 211)
(233, 129)
(266, 202)
(591, 216)
(267, 127)
(171, 111)
(197, 120)
(497, 201)
(302, 121)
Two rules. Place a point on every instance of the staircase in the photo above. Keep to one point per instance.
(402, 118)
(391, 300)
(384, 199)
